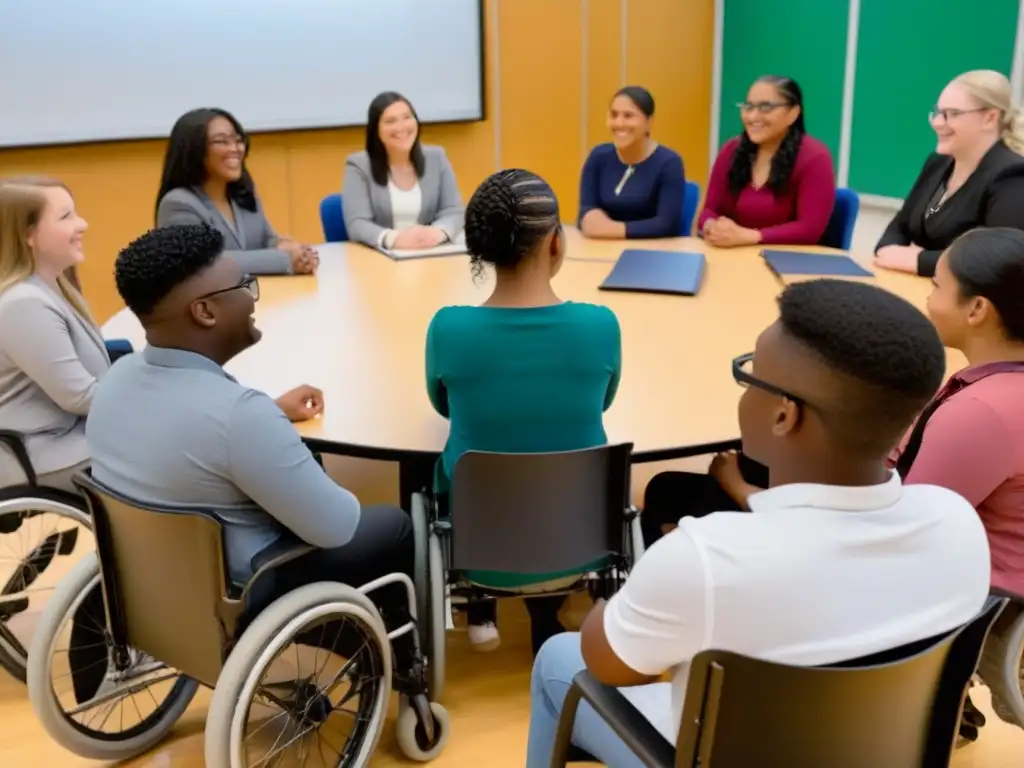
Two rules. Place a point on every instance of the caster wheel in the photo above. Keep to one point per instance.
(412, 736)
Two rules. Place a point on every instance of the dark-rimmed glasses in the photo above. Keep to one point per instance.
(764, 107)
(741, 373)
(249, 282)
(945, 115)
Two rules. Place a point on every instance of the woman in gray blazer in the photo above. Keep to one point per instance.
(398, 193)
(205, 181)
(52, 354)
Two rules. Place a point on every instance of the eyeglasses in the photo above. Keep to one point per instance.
(229, 141)
(945, 115)
(741, 368)
(249, 282)
(764, 107)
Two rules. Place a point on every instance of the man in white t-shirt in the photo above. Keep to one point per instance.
(837, 560)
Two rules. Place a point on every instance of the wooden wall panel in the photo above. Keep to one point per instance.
(540, 70)
(669, 48)
(604, 65)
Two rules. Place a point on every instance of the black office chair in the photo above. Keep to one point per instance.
(522, 513)
(897, 708)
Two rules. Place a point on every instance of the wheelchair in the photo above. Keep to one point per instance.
(152, 615)
(523, 513)
(38, 525)
(1002, 663)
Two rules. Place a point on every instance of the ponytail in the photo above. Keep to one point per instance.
(1012, 129)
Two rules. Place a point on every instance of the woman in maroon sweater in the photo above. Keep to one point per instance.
(772, 184)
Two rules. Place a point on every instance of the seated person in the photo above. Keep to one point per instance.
(205, 181)
(632, 187)
(170, 426)
(971, 438)
(773, 184)
(975, 178)
(52, 354)
(399, 193)
(526, 372)
(822, 570)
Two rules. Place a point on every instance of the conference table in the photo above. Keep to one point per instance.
(356, 330)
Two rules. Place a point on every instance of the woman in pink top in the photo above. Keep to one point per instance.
(970, 439)
(772, 184)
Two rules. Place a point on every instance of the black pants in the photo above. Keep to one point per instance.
(543, 610)
(382, 544)
(672, 495)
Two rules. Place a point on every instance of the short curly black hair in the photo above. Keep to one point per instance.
(149, 268)
(509, 215)
(888, 355)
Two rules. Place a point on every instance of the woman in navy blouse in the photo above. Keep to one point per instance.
(632, 187)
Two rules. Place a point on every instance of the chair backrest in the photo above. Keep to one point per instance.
(539, 512)
(332, 219)
(839, 232)
(164, 580)
(691, 197)
(899, 708)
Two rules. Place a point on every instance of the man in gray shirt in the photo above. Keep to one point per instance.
(169, 426)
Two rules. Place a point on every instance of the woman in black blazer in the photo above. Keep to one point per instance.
(974, 179)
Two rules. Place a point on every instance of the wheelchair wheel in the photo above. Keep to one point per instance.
(412, 736)
(310, 677)
(437, 584)
(635, 537)
(421, 569)
(1002, 665)
(92, 719)
(40, 528)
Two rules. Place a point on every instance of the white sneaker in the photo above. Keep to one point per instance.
(484, 637)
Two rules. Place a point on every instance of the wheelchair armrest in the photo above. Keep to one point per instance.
(16, 443)
(282, 551)
(646, 742)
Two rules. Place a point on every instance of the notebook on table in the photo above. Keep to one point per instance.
(445, 249)
(822, 264)
(645, 271)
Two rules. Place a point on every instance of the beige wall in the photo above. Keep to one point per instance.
(552, 67)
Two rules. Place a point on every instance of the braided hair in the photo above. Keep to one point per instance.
(741, 170)
(508, 217)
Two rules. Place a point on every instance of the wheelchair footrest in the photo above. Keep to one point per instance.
(12, 607)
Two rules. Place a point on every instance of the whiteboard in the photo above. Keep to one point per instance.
(98, 70)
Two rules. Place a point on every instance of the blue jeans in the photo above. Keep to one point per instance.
(553, 670)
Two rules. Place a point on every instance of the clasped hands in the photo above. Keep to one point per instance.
(419, 236)
(305, 258)
(302, 403)
(723, 232)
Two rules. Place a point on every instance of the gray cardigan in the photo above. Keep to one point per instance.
(367, 204)
(51, 361)
(251, 242)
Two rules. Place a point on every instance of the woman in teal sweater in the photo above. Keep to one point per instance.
(525, 372)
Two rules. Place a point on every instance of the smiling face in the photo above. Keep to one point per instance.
(56, 239)
(628, 124)
(398, 128)
(225, 150)
(961, 123)
(767, 114)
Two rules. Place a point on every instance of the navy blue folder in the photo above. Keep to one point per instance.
(656, 272)
(798, 263)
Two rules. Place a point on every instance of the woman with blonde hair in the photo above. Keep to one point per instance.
(52, 353)
(975, 178)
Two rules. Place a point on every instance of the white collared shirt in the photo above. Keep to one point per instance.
(812, 575)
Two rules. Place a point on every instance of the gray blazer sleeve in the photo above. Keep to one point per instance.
(358, 208)
(450, 214)
(262, 261)
(35, 336)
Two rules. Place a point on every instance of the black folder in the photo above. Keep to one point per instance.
(823, 264)
(673, 272)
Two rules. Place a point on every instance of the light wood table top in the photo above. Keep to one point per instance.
(357, 329)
